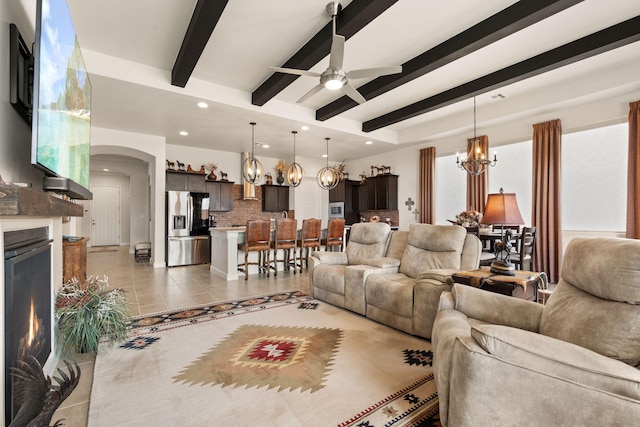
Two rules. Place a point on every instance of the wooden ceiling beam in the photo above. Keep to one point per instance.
(602, 41)
(502, 24)
(203, 21)
(352, 19)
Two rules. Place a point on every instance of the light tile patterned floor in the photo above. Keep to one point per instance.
(150, 290)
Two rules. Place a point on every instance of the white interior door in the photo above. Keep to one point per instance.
(105, 216)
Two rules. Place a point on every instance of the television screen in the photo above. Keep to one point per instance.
(62, 100)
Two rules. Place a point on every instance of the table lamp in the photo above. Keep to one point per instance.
(502, 209)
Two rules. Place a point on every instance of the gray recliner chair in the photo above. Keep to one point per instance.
(505, 361)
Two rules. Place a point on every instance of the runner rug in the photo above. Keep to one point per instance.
(281, 359)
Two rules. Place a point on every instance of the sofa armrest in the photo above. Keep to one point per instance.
(496, 308)
(559, 358)
(335, 258)
(383, 262)
(442, 275)
(447, 301)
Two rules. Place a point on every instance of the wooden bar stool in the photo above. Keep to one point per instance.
(335, 234)
(256, 239)
(286, 233)
(309, 240)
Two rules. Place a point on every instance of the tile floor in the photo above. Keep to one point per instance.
(150, 290)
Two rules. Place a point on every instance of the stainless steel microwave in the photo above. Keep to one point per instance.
(336, 210)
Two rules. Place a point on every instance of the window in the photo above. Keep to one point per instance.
(594, 179)
(513, 173)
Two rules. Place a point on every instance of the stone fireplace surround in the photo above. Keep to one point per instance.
(26, 208)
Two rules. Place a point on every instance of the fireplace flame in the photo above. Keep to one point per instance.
(34, 324)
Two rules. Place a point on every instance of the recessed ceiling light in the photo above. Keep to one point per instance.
(369, 142)
(265, 145)
(105, 170)
(304, 127)
(184, 133)
(203, 104)
(325, 155)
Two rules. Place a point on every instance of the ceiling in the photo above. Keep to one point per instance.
(130, 49)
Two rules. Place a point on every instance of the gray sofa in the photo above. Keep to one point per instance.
(395, 278)
(504, 361)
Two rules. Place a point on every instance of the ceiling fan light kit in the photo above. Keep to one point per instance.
(252, 170)
(334, 77)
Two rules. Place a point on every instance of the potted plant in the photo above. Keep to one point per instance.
(86, 312)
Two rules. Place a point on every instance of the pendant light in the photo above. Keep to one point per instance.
(327, 177)
(294, 172)
(251, 167)
(476, 162)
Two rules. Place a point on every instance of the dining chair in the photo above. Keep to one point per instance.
(335, 234)
(309, 240)
(526, 245)
(256, 239)
(285, 239)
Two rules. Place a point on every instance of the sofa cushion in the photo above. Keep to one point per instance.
(432, 247)
(391, 292)
(559, 359)
(367, 240)
(329, 277)
(607, 268)
(607, 327)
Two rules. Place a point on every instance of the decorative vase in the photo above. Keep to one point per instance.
(280, 178)
(212, 176)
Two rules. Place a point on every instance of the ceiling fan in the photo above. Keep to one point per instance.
(334, 77)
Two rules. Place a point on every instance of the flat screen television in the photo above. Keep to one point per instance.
(61, 127)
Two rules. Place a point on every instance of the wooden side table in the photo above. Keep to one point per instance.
(524, 284)
(74, 258)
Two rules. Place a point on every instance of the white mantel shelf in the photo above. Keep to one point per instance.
(16, 200)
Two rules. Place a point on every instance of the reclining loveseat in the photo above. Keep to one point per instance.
(394, 277)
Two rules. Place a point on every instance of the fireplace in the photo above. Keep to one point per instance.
(28, 302)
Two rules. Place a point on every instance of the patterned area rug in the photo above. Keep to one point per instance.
(281, 359)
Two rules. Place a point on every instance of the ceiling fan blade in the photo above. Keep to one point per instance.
(352, 93)
(374, 72)
(313, 91)
(337, 52)
(295, 71)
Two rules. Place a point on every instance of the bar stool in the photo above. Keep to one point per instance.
(256, 239)
(309, 240)
(286, 233)
(335, 234)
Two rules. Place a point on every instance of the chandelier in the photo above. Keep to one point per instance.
(475, 163)
(251, 167)
(294, 172)
(327, 178)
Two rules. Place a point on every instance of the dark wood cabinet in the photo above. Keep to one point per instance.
(380, 193)
(337, 194)
(184, 181)
(220, 195)
(74, 259)
(176, 181)
(275, 198)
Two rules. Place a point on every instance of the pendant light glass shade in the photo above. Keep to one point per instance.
(252, 170)
(294, 172)
(327, 178)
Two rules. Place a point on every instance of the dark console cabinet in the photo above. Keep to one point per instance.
(275, 198)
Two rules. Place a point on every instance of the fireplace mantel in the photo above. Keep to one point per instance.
(16, 200)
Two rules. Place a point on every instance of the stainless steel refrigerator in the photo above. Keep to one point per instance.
(187, 228)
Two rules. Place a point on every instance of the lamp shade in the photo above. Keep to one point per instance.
(502, 208)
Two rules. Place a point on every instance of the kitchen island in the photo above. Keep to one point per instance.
(225, 255)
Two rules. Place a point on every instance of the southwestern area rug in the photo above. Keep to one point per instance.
(282, 359)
